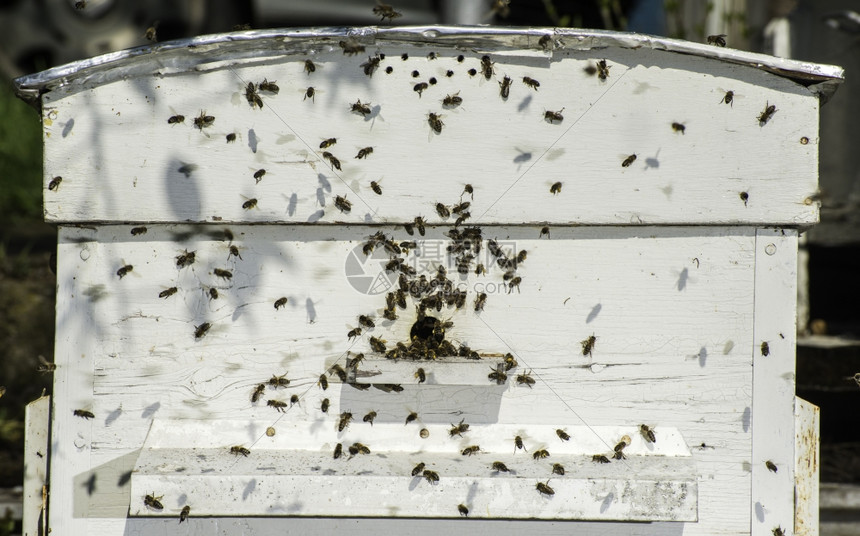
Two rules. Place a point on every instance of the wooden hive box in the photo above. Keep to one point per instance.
(637, 228)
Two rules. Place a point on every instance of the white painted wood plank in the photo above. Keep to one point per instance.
(773, 381)
(176, 173)
(806, 468)
(37, 424)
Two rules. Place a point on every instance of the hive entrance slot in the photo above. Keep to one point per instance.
(427, 328)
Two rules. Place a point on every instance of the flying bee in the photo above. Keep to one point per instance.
(505, 87)
(353, 333)
(588, 345)
(377, 189)
(745, 197)
(153, 502)
(422, 377)
(338, 371)
(84, 414)
(562, 435)
(277, 404)
(497, 376)
(310, 67)
(231, 137)
(526, 379)
(531, 82)
(480, 300)
(202, 121)
(717, 40)
(647, 433)
(557, 469)
(487, 67)
(344, 421)
(603, 70)
(351, 47)
(544, 489)
(417, 469)
(385, 11)
(629, 160)
(553, 116)
(679, 127)
(249, 204)
(771, 466)
(555, 189)
(599, 458)
(468, 451)
(252, 96)
(370, 65)
(310, 93)
(442, 210)
(369, 417)
(540, 454)
(435, 122)
(325, 144)
(279, 381)
(431, 476)
(358, 448)
(122, 272)
(135, 231)
(518, 444)
(176, 119)
(764, 117)
(186, 259)
(183, 515)
(342, 204)
(168, 293)
(411, 417)
(258, 392)
(364, 153)
(224, 274)
(45, 365)
(458, 429)
(419, 88)
(452, 100)
(259, 174)
(271, 87)
(338, 450)
(463, 510)
(358, 107)
(239, 449)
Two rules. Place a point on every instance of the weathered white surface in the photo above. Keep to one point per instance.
(773, 493)
(806, 467)
(121, 161)
(36, 448)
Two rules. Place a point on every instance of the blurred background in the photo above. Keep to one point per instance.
(39, 34)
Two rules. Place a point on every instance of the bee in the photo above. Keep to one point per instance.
(545, 42)
(294, 400)
(526, 379)
(231, 137)
(358, 107)
(366, 321)
(122, 272)
(472, 72)
(411, 417)
(338, 371)
(599, 458)
(435, 122)
(468, 190)
(325, 144)
(745, 197)
(764, 117)
(138, 230)
(342, 204)
(778, 531)
(540, 454)
(497, 376)
(505, 87)
(679, 127)
(442, 210)
(765, 349)
(277, 404)
(338, 450)
(728, 98)
(323, 382)
(167, 293)
(151, 36)
(588, 345)
(521, 256)
(352, 363)
(202, 121)
(183, 515)
(531, 82)
(385, 11)
(335, 163)
(224, 274)
(468, 451)
(415, 74)
(458, 429)
(555, 189)
(629, 160)
(480, 300)
(562, 435)
(153, 502)
(419, 224)
(771, 466)
(175, 119)
(422, 377)
(369, 417)
(370, 65)
(310, 93)
(234, 252)
(389, 69)
(353, 333)
(364, 153)
(249, 204)
(515, 282)
(271, 87)
(518, 444)
(431, 56)
(252, 96)
(452, 100)
(310, 67)
(401, 299)
(510, 362)
(487, 67)
(500, 467)
(186, 259)
(647, 433)
(84, 414)
(419, 88)
(258, 392)
(279, 381)
(544, 489)
(717, 40)
(620, 446)
(239, 449)
(417, 469)
(344, 421)
(358, 448)
(479, 269)
(553, 116)
(431, 476)
(557, 469)
(45, 365)
(350, 47)
(449, 73)
(463, 510)
(375, 187)
(461, 207)
(603, 70)
(325, 405)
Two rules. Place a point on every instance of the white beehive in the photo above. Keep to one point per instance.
(680, 263)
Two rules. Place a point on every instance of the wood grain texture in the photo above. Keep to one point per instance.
(121, 161)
